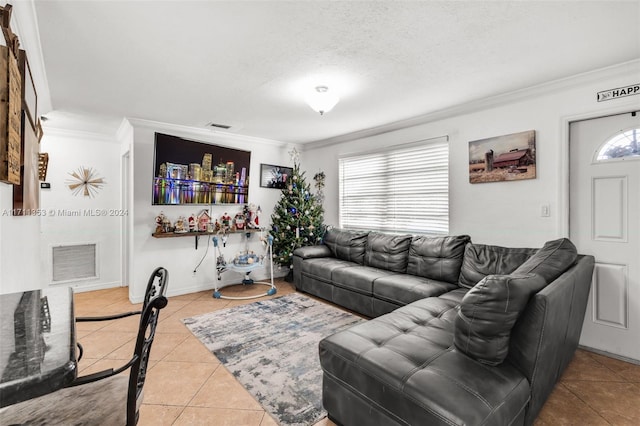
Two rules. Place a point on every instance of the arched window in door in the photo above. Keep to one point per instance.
(624, 145)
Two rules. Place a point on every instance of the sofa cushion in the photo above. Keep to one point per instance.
(551, 260)
(404, 289)
(489, 311)
(437, 258)
(357, 278)
(388, 252)
(481, 260)
(322, 268)
(311, 252)
(405, 362)
(346, 245)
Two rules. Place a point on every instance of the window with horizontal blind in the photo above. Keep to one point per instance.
(402, 189)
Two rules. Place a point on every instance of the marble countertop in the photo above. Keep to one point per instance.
(37, 343)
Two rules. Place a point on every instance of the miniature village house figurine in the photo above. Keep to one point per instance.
(192, 223)
(203, 220)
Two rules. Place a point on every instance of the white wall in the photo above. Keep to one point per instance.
(77, 219)
(19, 247)
(20, 235)
(503, 213)
(179, 255)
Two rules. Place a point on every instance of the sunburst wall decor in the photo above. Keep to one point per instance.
(86, 181)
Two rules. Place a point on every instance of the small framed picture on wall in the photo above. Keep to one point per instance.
(276, 177)
(503, 158)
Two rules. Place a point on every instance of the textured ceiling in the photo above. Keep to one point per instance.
(248, 64)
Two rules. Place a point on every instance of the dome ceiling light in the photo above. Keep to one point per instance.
(322, 100)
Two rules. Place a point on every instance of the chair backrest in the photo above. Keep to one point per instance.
(156, 286)
(154, 301)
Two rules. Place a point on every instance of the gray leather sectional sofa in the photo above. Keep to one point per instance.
(462, 333)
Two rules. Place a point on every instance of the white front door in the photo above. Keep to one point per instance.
(604, 221)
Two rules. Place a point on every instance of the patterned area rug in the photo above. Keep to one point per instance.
(271, 347)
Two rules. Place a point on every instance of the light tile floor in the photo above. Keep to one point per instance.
(186, 385)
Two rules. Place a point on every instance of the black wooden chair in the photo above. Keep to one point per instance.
(156, 285)
(106, 397)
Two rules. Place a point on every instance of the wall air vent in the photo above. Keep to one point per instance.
(218, 126)
(74, 262)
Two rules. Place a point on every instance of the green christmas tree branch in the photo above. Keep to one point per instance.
(297, 219)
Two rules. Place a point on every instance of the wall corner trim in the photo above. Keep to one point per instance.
(485, 103)
(26, 26)
(125, 130)
(78, 134)
(212, 135)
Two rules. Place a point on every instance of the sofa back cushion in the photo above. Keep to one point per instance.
(388, 252)
(481, 260)
(489, 311)
(437, 258)
(551, 260)
(346, 245)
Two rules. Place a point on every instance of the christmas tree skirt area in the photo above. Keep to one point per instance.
(271, 348)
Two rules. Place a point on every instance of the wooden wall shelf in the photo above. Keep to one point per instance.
(198, 234)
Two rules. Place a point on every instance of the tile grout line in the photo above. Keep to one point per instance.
(186, 336)
(188, 405)
(585, 402)
(624, 379)
(203, 382)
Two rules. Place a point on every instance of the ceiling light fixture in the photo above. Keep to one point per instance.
(322, 100)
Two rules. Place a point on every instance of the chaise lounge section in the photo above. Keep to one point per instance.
(486, 349)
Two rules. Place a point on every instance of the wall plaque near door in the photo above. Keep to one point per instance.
(10, 117)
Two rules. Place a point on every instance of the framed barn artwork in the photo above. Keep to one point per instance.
(503, 158)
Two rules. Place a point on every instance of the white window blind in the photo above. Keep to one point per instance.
(403, 189)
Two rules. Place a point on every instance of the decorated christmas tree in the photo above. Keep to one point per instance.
(297, 219)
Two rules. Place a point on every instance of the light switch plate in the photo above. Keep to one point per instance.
(545, 210)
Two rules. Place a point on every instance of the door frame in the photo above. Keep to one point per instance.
(563, 154)
(125, 204)
(565, 172)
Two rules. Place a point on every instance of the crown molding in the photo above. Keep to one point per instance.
(486, 103)
(25, 23)
(125, 131)
(77, 134)
(214, 135)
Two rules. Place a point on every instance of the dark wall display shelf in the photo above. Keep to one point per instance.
(198, 234)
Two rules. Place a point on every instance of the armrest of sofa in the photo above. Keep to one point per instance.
(546, 335)
(311, 252)
(308, 252)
